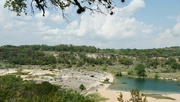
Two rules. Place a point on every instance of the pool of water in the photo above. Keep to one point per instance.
(145, 85)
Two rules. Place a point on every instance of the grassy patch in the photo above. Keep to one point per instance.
(32, 77)
(97, 97)
(52, 75)
(21, 73)
(158, 96)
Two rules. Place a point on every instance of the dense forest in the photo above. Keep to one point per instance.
(71, 55)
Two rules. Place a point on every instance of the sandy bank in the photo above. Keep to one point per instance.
(112, 95)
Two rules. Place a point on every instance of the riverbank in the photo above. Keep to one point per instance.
(112, 96)
(72, 78)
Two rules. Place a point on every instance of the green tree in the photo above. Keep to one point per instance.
(82, 87)
(20, 6)
(126, 61)
(140, 70)
(10, 87)
(154, 63)
(170, 61)
(175, 65)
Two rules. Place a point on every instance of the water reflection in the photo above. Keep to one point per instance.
(144, 84)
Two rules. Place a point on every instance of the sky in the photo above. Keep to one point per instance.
(140, 24)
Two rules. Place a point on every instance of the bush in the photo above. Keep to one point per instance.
(135, 97)
(82, 87)
(118, 74)
(69, 65)
(106, 80)
(80, 63)
(156, 76)
(60, 60)
(1, 66)
(130, 72)
(104, 68)
(154, 63)
(109, 62)
(73, 62)
(93, 65)
(167, 70)
(175, 65)
(126, 61)
(170, 61)
(52, 65)
(10, 66)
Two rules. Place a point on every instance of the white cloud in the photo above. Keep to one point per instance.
(121, 30)
(170, 37)
(176, 29)
(105, 30)
(132, 7)
(97, 30)
(23, 29)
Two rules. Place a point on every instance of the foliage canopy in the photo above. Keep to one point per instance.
(14, 89)
(140, 69)
(20, 6)
(82, 87)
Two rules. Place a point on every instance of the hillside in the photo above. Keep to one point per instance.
(164, 61)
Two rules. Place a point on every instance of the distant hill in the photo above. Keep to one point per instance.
(78, 56)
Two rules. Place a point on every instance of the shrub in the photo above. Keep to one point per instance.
(118, 74)
(175, 65)
(52, 65)
(80, 63)
(82, 87)
(167, 70)
(106, 80)
(69, 65)
(73, 62)
(103, 68)
(126, 61)
(156, 76)
(109, 62)
(170, 61)
(130, 72)
(135, 97)
(154, 63)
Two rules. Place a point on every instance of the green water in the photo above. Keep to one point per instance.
(146, 85)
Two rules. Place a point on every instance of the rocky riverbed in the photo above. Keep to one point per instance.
(67, 78)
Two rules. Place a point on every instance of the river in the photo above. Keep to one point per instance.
(146, 85)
